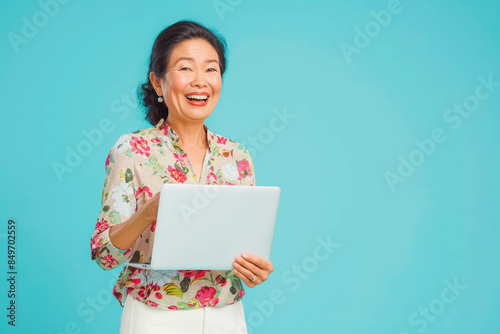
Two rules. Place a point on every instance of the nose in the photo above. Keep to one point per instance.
(199, 79)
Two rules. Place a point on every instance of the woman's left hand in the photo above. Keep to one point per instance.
(252, 270)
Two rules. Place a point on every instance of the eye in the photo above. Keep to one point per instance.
(211, 69)
(184, 68)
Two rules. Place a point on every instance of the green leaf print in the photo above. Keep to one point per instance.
(216, 151)
(125, 198)
(153, 162)
(186, 306)
(236, 282)
(185, 170)
(177, 148)
(173, 290)
(127, 273)
(129, 153)
(106, 208)
(129, 176)
(185, 284)
(114, 217)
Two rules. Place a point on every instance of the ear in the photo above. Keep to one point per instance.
(156, 83)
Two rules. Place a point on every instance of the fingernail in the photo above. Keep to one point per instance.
(245, 256)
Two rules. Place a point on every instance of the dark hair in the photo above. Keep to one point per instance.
(160, 56)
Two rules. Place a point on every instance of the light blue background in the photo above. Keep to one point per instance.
(352, 122)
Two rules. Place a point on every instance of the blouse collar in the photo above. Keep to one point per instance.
(172, 136)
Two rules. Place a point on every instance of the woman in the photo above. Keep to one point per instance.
(184, 83)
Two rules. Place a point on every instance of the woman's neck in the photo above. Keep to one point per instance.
(191, 135)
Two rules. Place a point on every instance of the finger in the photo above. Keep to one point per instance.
(254, 270)
(245, 280)
(247, 273)
(257, 261)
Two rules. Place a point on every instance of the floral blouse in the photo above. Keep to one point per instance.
(136, 168)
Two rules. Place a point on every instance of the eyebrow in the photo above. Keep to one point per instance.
(192, 59)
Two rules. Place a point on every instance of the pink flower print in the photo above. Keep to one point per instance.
(241, 293)
(221, 140)
(188, 273)
(172, 307)
(178, 176)
(144, 189)
(101, 226)
(220, 280)
(139, 146)
(108, 261)
(195, 273)
(142, 292)
(164, 128)
(107, 160)
(153, 226)
(135, 282)
(155, 140)
(205, 295)
(200, 273)
(213, 177)
(96, 243)
(117, 294)
(181, 158)
(153, 288)
(244, 169)
(146, 291)
(153, 304)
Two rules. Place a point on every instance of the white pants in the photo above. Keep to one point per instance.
(139, 318)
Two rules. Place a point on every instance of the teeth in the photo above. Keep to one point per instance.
(198, 97)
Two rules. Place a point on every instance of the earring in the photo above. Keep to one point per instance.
(160, 99)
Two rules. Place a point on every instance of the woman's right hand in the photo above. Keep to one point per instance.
(151, 209)
(152, 204)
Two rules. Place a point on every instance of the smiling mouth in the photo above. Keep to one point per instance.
(197, 98)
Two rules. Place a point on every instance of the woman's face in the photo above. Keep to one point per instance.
(192, 83)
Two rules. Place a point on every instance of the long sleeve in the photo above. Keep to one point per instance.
(252, 177)
(118, 201)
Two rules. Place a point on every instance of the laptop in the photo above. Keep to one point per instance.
(207, 226)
